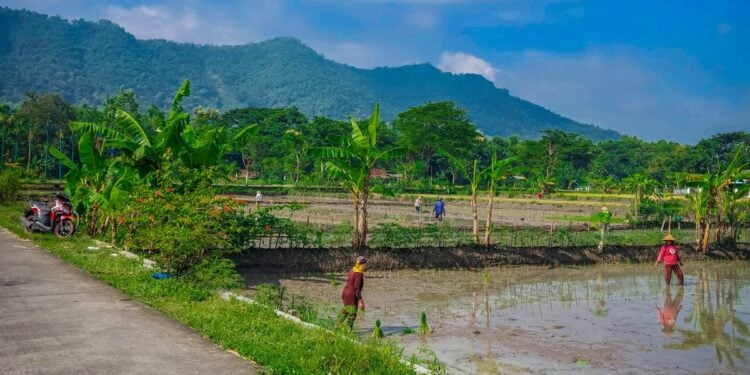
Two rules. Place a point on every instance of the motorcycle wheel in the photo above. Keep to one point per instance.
(30, 218)
(65, 228)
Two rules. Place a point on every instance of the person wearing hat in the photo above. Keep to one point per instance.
(352, 294)
(668, 254)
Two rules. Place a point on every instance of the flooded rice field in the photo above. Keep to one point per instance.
(592, 319)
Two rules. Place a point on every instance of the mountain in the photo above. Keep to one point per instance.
(86, 61)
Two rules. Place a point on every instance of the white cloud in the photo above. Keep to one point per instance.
(462, 63)
(156, 22)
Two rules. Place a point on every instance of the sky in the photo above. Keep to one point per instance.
(666, 69)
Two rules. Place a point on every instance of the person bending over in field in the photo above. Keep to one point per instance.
(352, 294)
(668, 254)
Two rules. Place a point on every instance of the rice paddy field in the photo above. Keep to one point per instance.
(562, 219)
(610, 318)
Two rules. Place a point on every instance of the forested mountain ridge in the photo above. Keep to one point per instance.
(87, 61)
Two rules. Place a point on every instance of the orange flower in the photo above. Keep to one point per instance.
(151, 218)
(268, 228)
(170, 189)
(120, 220)
(158, 193)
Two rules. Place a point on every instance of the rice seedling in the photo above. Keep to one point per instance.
(424, 329)
(377, 332)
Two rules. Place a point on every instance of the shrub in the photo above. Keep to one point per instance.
(215, 273)
(10, 183)
(271, 295)
(180, 231)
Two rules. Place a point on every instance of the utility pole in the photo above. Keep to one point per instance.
(46, 149)
(59, 147)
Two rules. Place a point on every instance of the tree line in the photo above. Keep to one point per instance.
(431, 135)
(108, 153)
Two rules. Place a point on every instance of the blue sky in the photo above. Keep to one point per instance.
(677, 70)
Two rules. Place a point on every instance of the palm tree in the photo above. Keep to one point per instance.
(351, 164)
(497, 170)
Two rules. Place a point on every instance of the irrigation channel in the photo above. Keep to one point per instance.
(607, 318)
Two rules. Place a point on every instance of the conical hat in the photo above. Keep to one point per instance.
(668, 237)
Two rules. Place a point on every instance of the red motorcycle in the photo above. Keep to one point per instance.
(60, 219)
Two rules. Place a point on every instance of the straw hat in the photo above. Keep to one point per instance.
(604, 208)
(668, 237)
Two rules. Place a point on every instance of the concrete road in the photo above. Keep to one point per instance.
(54, 319)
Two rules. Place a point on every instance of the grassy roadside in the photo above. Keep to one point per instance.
(255, 332)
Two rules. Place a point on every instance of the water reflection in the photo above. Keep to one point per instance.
(714, 319)
(671, 310)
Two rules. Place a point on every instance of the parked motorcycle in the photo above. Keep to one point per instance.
(60, 219)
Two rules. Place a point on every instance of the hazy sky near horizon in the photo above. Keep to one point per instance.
(677, 70)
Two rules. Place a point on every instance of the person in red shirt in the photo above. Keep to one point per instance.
(352, 294)
(668, 315)
(668, 254)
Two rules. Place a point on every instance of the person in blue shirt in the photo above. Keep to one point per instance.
(439, 209)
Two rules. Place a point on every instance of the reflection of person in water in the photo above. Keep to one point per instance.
(668, 314)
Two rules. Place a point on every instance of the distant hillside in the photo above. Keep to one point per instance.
(86, 61)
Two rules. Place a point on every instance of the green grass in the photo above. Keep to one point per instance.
(254, 331)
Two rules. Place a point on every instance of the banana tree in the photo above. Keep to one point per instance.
(97, 185)
(716, 203)
(351, 163)
(175, 139)
(497, 171)
(640, 185)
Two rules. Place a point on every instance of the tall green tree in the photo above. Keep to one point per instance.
(425, 129)
(43, 116)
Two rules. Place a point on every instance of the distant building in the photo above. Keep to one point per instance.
(686, 191)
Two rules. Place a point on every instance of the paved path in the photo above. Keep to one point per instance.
(54, 319)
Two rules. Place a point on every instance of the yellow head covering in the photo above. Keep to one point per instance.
(359, 266)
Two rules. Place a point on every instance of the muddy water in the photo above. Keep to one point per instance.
(593, 319)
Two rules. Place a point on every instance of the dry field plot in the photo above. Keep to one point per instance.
(332, 210)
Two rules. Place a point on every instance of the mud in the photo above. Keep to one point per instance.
(601, 319)
(336, 260)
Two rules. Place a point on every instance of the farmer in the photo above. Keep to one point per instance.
(258, 197)
(668, 254)
(417, 204)
(668, 315)
(352, 294)
(439, 209)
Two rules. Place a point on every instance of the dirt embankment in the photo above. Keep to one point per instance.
(335, 260)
